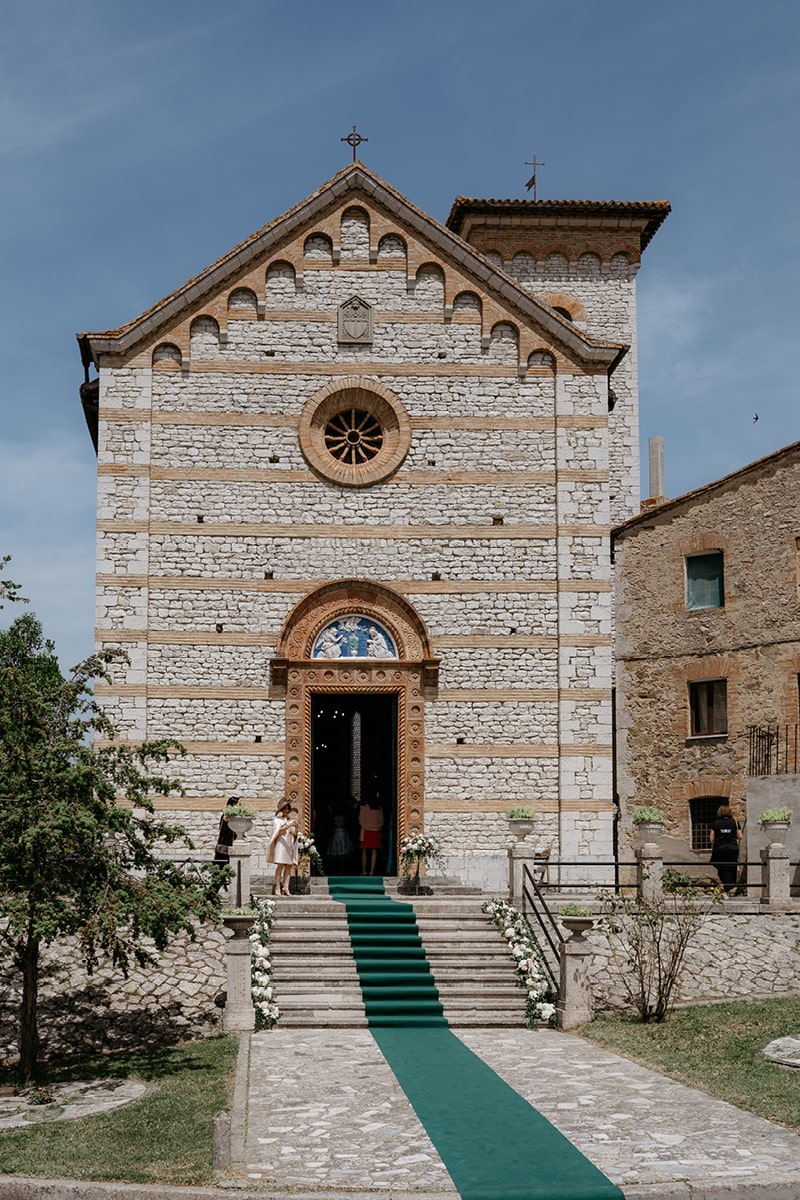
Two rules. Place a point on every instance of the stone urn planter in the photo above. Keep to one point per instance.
(239, 923)
(648, 823)
(776, 831)
(240, 824)
(649, 831)
(521, 826)
(577, 926)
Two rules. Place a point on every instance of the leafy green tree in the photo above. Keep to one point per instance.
(8, 589)
(79, 839)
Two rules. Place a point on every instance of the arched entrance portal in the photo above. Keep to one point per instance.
(354, 763)
(354, 659)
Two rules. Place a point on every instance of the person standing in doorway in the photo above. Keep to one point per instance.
(725, 838)
(339, 847)
(370, 818)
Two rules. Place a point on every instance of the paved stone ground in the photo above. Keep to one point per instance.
(70, 1102)
(325, 1112)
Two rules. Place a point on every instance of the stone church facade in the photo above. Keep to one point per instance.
(355, 487)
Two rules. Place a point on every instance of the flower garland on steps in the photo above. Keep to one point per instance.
(267, 1011)
(531, 975)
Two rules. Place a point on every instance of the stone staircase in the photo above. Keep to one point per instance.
(315, 978)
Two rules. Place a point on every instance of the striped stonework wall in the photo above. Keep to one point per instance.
(214, 525)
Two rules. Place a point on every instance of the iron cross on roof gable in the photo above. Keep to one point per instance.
(532, 181)
(354, 139)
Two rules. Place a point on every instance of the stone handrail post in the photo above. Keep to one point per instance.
(575, 1003)
(775, 876)
(239, 862)
(239, 1013)
(520, 855)
(649, 870)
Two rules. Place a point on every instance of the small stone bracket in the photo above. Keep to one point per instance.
(279, 672)
(430, 672)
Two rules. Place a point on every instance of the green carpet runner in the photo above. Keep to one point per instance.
(494, 1144)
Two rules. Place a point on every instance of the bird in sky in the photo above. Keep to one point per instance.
(755, 418)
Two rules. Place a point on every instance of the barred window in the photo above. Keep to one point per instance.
(702, 813)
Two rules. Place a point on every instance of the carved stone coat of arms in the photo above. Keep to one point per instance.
(355, 321)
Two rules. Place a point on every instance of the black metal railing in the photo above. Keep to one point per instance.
(548, 937)
(774, 749)
(601, 877)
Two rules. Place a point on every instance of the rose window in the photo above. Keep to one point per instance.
(353, 436)
(354, 432)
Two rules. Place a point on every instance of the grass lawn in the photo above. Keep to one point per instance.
(715, 1048)
(163, 1138)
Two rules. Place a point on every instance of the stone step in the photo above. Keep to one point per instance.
(294, 957)
(318, 909)
(313, 1018)
(310, 997)
(328, 931)
(495, 984)
(319, 966)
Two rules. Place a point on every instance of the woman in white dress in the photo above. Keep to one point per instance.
(283, 848)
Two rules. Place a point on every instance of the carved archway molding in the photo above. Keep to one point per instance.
(408, 677)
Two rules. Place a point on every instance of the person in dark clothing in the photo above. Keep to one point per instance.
(225, 835)
(725, 838)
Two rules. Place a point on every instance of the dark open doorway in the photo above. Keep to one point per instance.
(353, 758)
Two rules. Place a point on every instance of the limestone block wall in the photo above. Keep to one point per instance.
(734, 957)
(752, 641)
(80, 1014)
(213, 525)
(602, 295)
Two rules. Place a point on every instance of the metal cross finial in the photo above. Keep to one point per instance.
(532, 181)
(354, 139)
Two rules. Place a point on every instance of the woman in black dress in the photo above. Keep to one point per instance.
(725, 838)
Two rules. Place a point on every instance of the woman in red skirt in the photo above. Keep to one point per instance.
(370, 818)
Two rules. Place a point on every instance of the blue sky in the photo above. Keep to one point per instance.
(140, 142)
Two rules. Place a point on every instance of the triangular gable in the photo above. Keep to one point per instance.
(352, 184)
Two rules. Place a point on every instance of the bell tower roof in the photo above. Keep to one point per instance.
(600, 226)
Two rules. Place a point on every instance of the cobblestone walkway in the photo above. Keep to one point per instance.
(324, 1110)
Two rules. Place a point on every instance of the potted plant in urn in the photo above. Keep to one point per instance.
(776, 822)
(239, 920)
(521, 820)
(240, 818)
(648, 822)
(577, 918)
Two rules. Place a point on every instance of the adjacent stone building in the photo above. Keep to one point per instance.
(707, 628)
(355, 487)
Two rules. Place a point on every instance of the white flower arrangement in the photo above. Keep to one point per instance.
(267, 1011)
(528, 964)
(419, 848)
(306, 847)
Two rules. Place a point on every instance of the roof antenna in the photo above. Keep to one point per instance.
(531, 182)
(355, 139)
